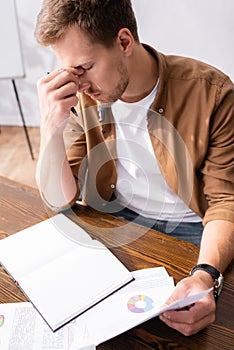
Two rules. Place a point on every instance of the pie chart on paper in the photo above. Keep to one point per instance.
(140, 303)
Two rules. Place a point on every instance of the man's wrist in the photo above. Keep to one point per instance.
(210, 275)
(205, 277)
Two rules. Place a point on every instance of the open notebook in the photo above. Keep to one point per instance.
(61, 269)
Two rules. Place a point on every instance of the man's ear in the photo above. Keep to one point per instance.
(125, 41)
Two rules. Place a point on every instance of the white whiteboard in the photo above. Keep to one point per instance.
(11, 59)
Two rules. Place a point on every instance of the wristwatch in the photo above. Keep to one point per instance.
(214, 273)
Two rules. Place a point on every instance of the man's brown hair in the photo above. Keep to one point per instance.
(101, 20)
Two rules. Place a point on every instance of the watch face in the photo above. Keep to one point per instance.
(218, 284)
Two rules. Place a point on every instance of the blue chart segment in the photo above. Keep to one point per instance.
(140, 303)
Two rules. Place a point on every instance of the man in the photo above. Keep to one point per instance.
(181, 121)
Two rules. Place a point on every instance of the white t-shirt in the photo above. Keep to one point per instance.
(140, 185)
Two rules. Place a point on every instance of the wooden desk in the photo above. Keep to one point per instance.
(21, 207)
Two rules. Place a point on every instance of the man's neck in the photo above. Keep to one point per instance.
(143, 75)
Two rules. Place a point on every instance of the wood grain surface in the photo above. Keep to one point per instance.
(15, 159)
(21, 207)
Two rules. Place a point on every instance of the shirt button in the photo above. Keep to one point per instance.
(161, 110)
(112, 186)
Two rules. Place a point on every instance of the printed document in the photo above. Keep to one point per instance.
(130, 306)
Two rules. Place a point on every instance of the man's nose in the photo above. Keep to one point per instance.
(83, 85)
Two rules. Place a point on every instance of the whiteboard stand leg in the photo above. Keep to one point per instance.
(23, 120)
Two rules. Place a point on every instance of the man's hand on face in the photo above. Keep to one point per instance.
(57, 92)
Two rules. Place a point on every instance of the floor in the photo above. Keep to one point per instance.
(15, 159)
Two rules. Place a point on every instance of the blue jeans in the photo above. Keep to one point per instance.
(187, 231)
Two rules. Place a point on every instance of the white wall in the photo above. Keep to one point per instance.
(201, 29)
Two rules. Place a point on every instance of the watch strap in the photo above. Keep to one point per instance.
(207, 268)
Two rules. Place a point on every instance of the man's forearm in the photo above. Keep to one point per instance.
(54, 176)
(217, 245)
(57, 95)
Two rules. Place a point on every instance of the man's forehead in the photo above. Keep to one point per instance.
(75, 49)
(74, 39)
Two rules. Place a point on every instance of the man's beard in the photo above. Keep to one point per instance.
(119, 89)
